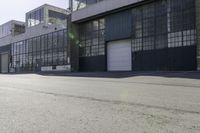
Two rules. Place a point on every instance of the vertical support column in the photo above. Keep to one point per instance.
(73, 40)
(46, 18)
(198, 32)
(70, 5)
(0, 63)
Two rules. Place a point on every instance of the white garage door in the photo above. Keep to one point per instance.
(119, 56)
(4, 63)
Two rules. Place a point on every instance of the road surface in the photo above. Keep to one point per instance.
(135, 103)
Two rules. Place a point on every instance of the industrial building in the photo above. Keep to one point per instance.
(137, 35)
(39, 44)
(105, 35)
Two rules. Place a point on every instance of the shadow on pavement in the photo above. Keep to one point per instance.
(167, 74)
(188, 75)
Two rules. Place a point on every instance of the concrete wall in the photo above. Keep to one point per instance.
(101, 7)
(10, 25)
(198, 32)
(30, 32)
(5, 29)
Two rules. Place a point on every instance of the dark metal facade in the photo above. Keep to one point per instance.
(163, 35)
(118, 26)
(164, 30)
(92, 46)
(92, 38)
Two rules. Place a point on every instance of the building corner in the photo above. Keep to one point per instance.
(198, 32)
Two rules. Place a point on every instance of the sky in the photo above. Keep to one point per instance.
(16, 9)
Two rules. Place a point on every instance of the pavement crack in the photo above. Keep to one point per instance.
(118, 102)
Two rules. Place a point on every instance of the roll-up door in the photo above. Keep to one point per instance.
(4, 63)
(119, 56)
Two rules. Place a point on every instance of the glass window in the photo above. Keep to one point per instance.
(34, 44)
(137, 44)
(164, 23)
(57, 18)
(50, 49)
(41, 15)
(102, 24)
(38, 44)
(79, 4)
(92, 38)
(18, 29)
(28, 19)
(60, 39)
(35, 17)
(5, 30)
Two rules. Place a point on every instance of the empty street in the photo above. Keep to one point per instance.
(100, 103)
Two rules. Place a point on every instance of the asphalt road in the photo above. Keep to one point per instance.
(100, 103)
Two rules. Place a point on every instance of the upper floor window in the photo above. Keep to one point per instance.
(79, 4)
(19, 29)
(35, 17)
(57, 18)
(4, 30)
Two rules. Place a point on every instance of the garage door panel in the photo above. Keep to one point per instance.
(4, 63)
(119, 56)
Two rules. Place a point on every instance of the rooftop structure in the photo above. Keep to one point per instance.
(12, 28)
(42, 20)
(46, 15)
(39, 43)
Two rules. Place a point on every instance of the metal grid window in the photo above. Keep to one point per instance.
(49, 49)
(164, 24)
(92, 42)
(35, 17)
